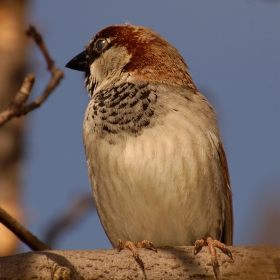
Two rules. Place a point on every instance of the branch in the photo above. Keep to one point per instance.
(258, 263)
(21, 232)
(32, 32)
(18, 107)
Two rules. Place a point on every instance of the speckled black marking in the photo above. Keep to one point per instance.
(126, 107)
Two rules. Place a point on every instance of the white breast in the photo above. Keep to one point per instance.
(163, 185)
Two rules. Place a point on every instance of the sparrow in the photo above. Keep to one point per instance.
(156, 162)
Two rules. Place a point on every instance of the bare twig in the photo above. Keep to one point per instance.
(32, 32)
(21, 232)
(18, 107)
(15, 107)
(57, 75)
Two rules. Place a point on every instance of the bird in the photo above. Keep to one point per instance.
(155, 158)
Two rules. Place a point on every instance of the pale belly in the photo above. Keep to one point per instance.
(161, 186)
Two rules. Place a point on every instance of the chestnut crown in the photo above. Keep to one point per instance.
(148, 56)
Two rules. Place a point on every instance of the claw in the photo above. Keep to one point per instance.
(133, 248)
(212, 244)
(146, 244)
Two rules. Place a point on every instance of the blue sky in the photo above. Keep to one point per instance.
(233, 51)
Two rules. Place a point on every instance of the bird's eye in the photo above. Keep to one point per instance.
(101, 44)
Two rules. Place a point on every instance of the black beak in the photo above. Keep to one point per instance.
(79, 62)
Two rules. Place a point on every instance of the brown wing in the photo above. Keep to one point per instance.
(227, 236)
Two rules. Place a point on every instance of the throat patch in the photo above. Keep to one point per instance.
(125, 107)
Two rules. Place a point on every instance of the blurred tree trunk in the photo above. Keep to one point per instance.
(13, 45)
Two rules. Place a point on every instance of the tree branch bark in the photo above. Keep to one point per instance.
(258, 263)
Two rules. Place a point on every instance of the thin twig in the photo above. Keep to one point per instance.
(21, 232)
(57, 75)
(17, 106)
(32, 32)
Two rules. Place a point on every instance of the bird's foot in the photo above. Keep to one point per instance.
(132, 246)
(212, 244)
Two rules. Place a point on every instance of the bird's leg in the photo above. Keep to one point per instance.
(132, 246)
(212, 244)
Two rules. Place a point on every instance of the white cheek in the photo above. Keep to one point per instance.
(95, 76)
(106, 70)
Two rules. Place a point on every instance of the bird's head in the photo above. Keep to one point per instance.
(130, 53)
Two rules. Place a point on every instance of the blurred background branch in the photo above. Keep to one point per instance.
(12, 54)
(13, 50)
(76, 211)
